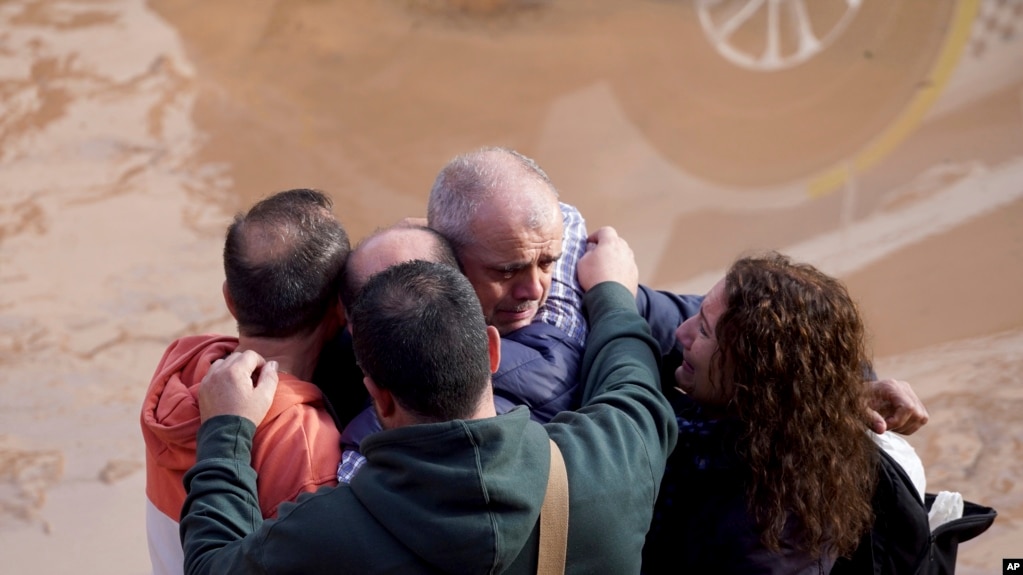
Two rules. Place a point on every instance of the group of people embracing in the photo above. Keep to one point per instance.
(402, 406)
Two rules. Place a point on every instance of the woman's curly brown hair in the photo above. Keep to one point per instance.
(792, 343)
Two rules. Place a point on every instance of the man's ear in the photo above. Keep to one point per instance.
(494, 346)
(229, 300)
(383, 400)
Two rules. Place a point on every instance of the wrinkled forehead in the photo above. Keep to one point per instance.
(522, 202)
(529, 222)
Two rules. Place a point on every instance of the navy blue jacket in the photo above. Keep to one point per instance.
(540, 363)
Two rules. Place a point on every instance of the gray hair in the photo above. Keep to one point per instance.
(470, 180)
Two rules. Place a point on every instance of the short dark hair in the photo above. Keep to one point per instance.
(283, 263)
(441, 252)
(419, 333)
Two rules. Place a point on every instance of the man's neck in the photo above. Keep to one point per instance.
(296, 355)
(402, 417)
(486, 407)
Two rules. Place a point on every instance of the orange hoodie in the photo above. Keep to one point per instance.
(296, 447)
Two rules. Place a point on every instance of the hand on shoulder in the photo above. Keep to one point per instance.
(608, 257)
(894, 406)
(232, 386)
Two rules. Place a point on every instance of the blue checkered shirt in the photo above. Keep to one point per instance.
(564, 306)
(351, 463)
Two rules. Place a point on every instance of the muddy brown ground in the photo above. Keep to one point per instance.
(132, 131)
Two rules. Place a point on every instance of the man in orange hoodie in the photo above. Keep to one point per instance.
(283, 262)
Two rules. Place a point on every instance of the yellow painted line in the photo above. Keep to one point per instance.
(962, 23)
(829, 181)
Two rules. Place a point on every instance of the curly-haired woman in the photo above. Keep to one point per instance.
(774, 469)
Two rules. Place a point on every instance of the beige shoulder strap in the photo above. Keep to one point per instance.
(554, 518)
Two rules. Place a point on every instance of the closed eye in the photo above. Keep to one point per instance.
(703, 324)
(548, 263)
(506, 273)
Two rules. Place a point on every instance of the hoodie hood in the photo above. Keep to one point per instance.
(170, 413)
(478, 485)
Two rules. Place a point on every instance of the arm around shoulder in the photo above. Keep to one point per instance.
(618, 338)
(665, 311)
(609, 275)
(621, 362)
(221, 505)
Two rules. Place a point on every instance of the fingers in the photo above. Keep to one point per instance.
(876, 421)
(247, 361)
(411, 222)
(266, 385)
(901, 409)
(907, 420)
(608, 257)
(606, 233)
(228, 387)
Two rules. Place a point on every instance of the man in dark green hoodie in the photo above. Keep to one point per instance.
(448, 486)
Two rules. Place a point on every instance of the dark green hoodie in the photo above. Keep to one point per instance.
(460, 496)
